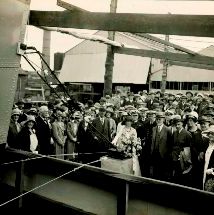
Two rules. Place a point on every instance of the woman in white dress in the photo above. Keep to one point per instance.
(126, 141)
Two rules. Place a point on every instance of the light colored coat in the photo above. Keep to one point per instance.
(59, 138)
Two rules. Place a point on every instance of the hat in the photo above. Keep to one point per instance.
(124, 113)
(142, 109)
(160, 115)
(102, 109)
(103, 99)
(59, 113)
(210, 105)
(30, 119)
(134, 112)
(15, 111)
(210, 130)
(151, 92)
(200, 94)
(208, 112)
(33, 110)
(121, 109)
(140, 102)
(192, 116)
(97, 105)
(183, 97)
(43, 108)
(189, 93)
(171, 94)
(151, 112)
(177, 118)
(129, 107)
(169, 112)
(109, 110)
(203, 119)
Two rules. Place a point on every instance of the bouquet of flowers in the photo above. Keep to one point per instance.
(129, 145)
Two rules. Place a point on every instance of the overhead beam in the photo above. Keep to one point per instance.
(198, 59)
(164, 42)
(171, 24)
(192, 65)
(70, 6)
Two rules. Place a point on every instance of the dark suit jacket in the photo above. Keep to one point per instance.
(100, 130)
(44, 136)
(150, 103)
(85, 138)
(180, 141)
(164, 144)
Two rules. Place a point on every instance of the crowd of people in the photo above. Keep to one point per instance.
(176, 132)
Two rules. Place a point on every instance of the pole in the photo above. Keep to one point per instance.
(165, 67)
(19, 183)
(109, 64)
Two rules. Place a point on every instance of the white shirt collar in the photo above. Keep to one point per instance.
(160, 127)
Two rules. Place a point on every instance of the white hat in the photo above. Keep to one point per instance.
(30, 118)
(15, 111)
(43, 109)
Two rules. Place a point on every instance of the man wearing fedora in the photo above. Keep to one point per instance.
(101, 131)
(160, 149)
(180, 154)
(197, 148)
(151, 100)
(145, 134)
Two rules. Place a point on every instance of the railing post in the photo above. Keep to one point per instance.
(19, 183)
(123, 198)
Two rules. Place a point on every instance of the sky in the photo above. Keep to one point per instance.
(62, 42)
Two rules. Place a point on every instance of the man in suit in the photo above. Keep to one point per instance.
(160, 149)
(43, 128)
(180, 152)
(102, 131)
(151, 100)
(145, 134)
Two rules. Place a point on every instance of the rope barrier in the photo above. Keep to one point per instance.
(48, 182)
(46, 156)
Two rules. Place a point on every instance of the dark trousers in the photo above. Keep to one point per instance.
(178, 177)
(159, 167)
